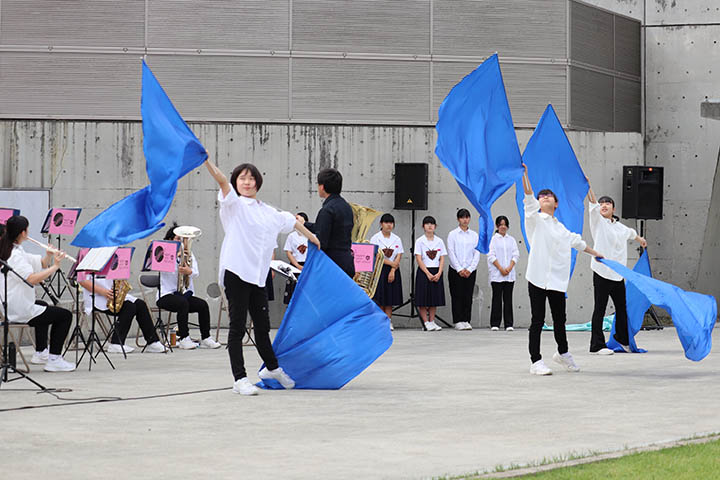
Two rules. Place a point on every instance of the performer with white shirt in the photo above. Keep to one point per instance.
(548, 273)
(185, 303)
(22, 306)
(610, 237)
(389, 287)
(251, 230)
(296, 251)
(430, 255)
(502, 257)
(464, 258)
(131, 307)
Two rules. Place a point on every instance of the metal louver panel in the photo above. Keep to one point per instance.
(591, 100)
(627, 106)
(627, 46)
(591, 35)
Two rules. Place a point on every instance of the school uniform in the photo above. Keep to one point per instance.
(251, 229)
(504, 249)
(296, 244)
(333, 227)
(610, 238)
(427, 293)
(548, 272)
(463, 256)
(388, 293)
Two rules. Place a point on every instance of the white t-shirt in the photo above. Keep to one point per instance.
(21, 298)
(168, 280)
(430, 250)
(610, 238)
(251, 231)
(390, 246)
(100, 300)
(504, 250)
(461, 250)
(296, 244)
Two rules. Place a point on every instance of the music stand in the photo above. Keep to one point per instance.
(161, 256)
(118, 268)
(60, 221)
(77, 334)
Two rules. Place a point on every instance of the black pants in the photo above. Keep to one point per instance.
(60, 320)
(614, 289)
(461, 292)
(537, 313)
(182, 306)
(501, 303)
(140, 311)
(243, 297)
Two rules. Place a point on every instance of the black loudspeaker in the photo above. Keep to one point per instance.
(642, 196)
(411, 186)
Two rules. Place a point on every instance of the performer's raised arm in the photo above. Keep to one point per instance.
(219, 177)
(526, 182)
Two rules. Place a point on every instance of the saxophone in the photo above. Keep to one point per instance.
(186, 234)
(363, 218)
(120, 290)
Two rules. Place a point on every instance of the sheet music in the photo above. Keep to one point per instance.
(284, 268)
(96, 259)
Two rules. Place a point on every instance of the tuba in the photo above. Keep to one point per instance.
(363, 217)
(186, 234)
(120, 291)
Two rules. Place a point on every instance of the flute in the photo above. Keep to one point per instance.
(50, 249)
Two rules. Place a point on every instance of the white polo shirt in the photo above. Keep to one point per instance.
(392, 245)
(251, 231)
(168, 280)
(610, 239)
(430, 250)
(100, 300)
(21, 298)
(296, 243)
(504, 250)
(550, 243)
(461, 250)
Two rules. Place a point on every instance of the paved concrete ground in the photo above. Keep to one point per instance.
(434, 404)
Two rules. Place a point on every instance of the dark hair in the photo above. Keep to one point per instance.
(13, 228)
(606, 199)
(387, 218)
(169, 235)
(463, 213)
(547, 190)
(253, 171)
(331, 179)
(429, 219)
(499, 219)
(303, 215)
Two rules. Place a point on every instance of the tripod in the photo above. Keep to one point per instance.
(6, 367)
(56, 278)
(93, 336)
(77, 334)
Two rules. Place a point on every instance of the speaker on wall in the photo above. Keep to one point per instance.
(642, 192)
(411, 186)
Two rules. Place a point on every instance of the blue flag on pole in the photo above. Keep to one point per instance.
(171, 151)
(331, 331)
(693, 314)
(637, 305)
(476, 142)
(552, 164)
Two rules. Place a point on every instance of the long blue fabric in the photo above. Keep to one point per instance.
(637, 305)
(171, 151)
(693, 314)
(476, 142)
(331, 331)
(552, 164)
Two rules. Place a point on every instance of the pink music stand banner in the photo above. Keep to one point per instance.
(364, 256)
(118, 268)
(163, 256)
(63, 221)
(6, 213)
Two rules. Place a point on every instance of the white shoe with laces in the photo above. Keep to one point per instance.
(279, 375)
(494, 329)
(460, 326)
(209, 342)
(156, 347)
(566, 360)
(539, 368)
(58, 365)
(187, 343)
(117, 348)
(603, 351)
(244, 387)
(40, 358)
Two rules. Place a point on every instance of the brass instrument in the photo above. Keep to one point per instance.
(363, 217)
(120, 290)
(186, 234)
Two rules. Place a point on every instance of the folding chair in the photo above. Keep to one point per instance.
(22, 328)
(214, 291)
(151, 281)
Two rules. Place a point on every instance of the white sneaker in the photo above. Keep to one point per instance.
(156, 347)
(509, 329)
(460, 326)
(187, 343)
(626, 348)
(40, 358)
(539, 368)
(494, 329)
(429, 327)
(603, 351)
(244, 387)
(435, 326)
(391, 327)
(209, 342)
(279, 375)
(59, 365)
(468, 326)
(117, 348)
(566, 360)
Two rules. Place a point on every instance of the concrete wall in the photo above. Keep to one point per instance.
(93, 164)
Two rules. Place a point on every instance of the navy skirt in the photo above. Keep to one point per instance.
(388, 294)
(427, 293)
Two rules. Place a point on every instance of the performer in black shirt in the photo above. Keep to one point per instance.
(334, 222)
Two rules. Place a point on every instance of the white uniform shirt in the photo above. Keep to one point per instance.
(100, 300)
(21, 298)
(392, 245)
(610, 238)
(461, 250)
(168, 280)
(430, 250)
(296, 244)
(550, 242)
(504, 250)
(251, 231)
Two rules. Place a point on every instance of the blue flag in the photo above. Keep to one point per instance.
(477, 143)
(331, 331)
(552, 164)
(693, 314)
(171, 151)
(637, 305)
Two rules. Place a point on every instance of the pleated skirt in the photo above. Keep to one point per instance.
(388, 294)
(427, 293)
